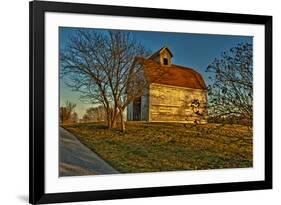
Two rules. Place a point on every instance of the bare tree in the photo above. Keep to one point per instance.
(67, 113)
(231, 94)
(102, 67)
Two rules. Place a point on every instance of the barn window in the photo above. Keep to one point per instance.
(165, 61)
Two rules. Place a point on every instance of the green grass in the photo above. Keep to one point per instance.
(151, 147)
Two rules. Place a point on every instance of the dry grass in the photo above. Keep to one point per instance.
(151, 147)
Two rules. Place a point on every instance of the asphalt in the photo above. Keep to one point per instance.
(75, 159)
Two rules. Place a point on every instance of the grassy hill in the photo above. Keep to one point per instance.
(151, 147)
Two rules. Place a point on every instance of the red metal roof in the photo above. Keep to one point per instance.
(172, 75)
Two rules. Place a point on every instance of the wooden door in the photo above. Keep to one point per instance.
(137, 109)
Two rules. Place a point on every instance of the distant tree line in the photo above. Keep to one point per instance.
(68, 114)
(95, 114)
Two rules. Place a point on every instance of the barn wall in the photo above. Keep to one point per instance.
(171, 103)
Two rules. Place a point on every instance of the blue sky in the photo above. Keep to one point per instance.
(191, 50)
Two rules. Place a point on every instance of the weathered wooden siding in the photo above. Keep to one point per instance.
(171, 103)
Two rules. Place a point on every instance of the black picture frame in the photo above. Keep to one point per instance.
(37, 9)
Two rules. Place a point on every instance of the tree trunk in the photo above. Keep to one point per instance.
(108, 123)
(114, 117)
(108, 117)
(111, 118)
(113, 122)
(123, 128)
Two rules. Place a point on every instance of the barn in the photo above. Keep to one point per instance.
(174, 93)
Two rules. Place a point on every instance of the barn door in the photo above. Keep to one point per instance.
(137, 109)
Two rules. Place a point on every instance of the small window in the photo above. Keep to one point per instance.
(165, 61)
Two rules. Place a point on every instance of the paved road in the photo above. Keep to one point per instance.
(76, 159)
